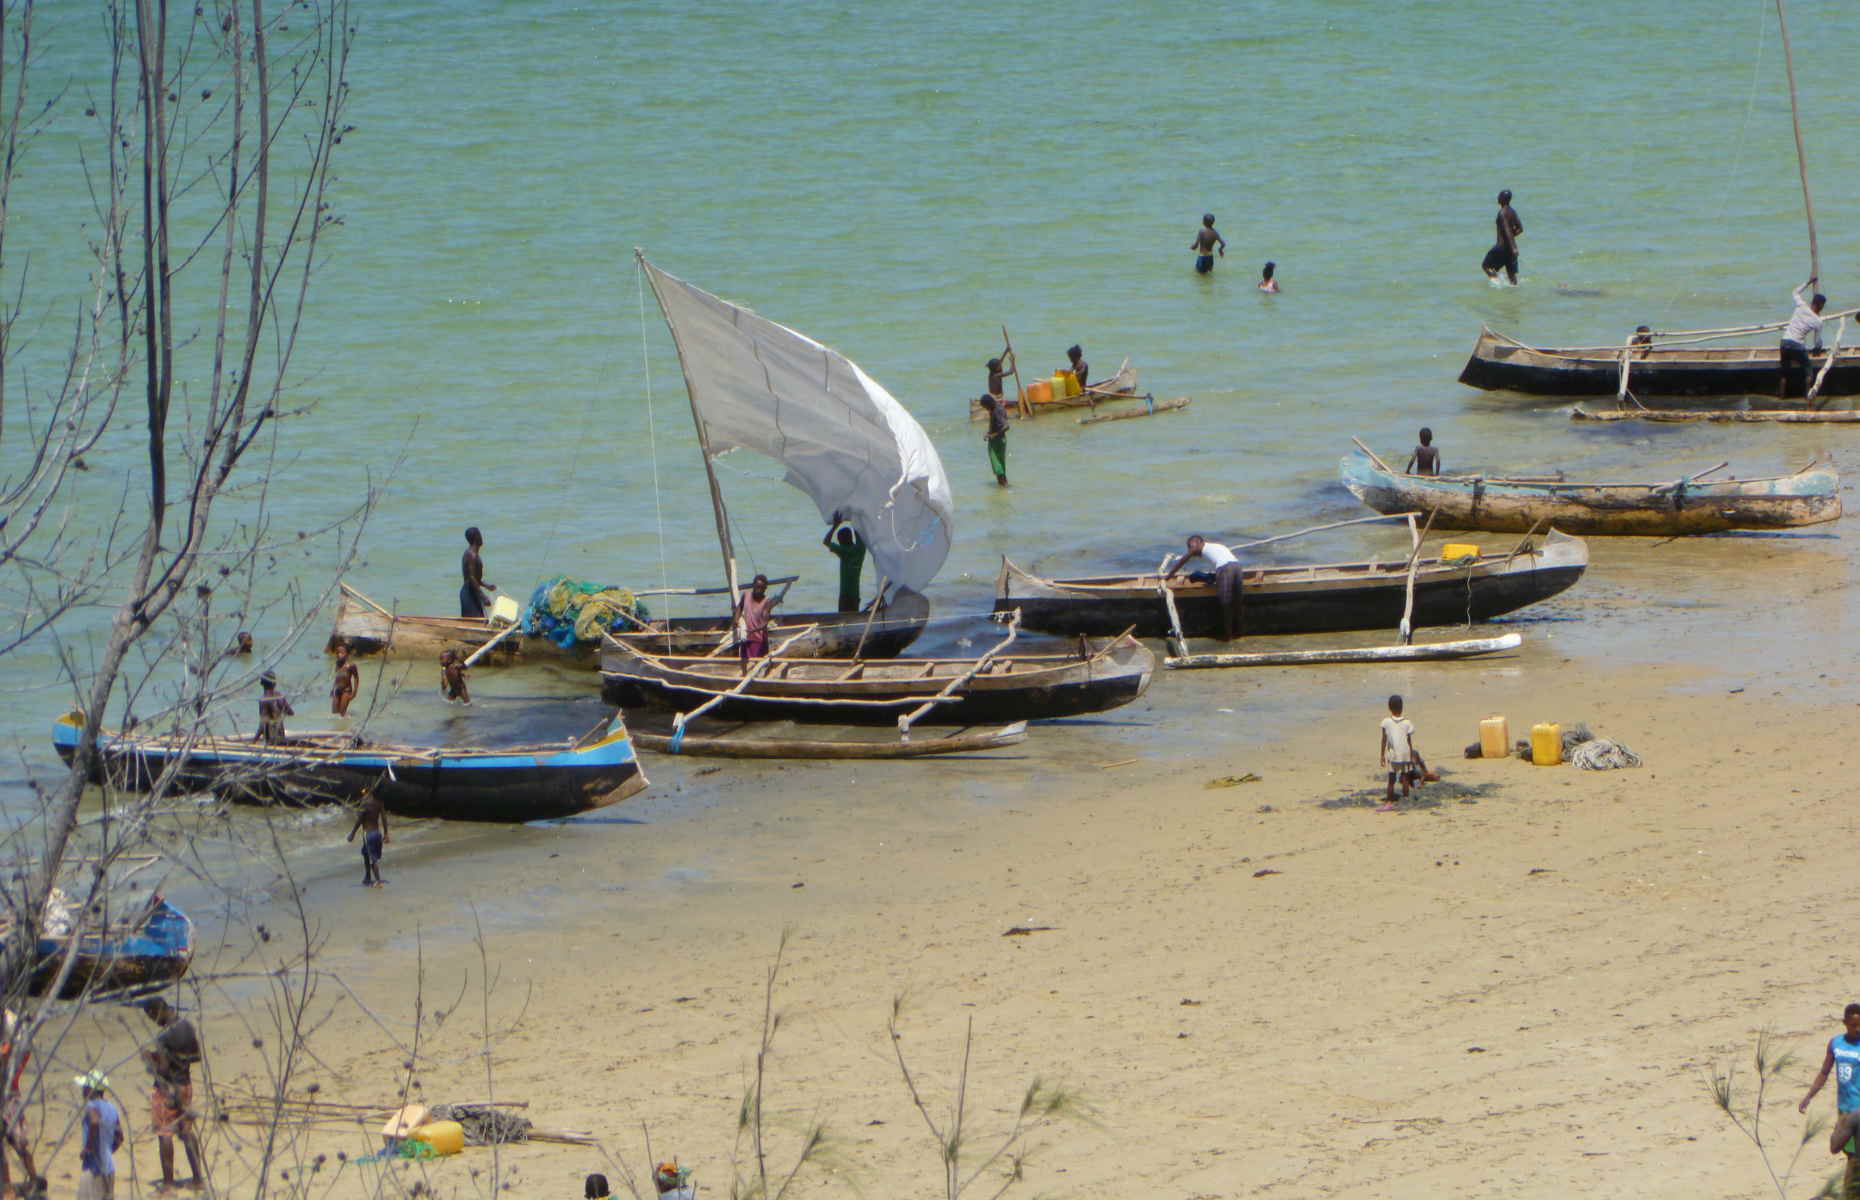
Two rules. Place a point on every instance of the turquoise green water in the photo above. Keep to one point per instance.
(900, 184)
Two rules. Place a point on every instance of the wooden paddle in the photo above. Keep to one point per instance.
(1007, 350)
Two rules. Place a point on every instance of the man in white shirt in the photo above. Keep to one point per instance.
(1227, 575)
(1806, 319)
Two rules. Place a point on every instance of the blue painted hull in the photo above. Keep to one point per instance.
(520, 784)
(159, 952)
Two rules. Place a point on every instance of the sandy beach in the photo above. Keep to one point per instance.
(1259, 989)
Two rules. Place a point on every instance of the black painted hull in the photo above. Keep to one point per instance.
(1070, 699)
(1497, 365)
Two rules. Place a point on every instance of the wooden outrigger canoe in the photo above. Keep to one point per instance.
(518, 783)
(1015, 687)
(150, 950)
(1120, 386)
(1423, 652)
(371, 629)
(1689, 504)
(1319, 598)
(1500, 363)
(1753, 416)
(964, 741)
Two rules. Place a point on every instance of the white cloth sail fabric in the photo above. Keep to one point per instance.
(845, 440)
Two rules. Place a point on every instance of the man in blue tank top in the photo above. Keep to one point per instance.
(1843, 1059)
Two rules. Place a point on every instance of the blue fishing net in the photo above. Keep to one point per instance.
(567, 611)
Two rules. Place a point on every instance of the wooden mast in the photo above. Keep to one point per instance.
(710, 473)
(1801, 157)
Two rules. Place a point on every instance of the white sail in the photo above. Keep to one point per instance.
(845, 441)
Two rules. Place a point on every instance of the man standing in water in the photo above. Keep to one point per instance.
(1227, 579)
(273, 707)
(753, 609)
(1504, 252)
(371, 822)
(996, 437)
(348, 681)
(851, 552)
(1843, 1061)
(1204, 245)
(474, 594)
(1806, 319)
(171, 1057)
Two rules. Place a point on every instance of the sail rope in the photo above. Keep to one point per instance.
(652, 432)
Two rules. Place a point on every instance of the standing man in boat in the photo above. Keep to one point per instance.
(1227, 578)
(1075, 356)
(1426, 457)
(851, 552)
(1204, 245)
(474, 594)
(1806, 319)
(1504, 252)
(996, 437)
(753, 609)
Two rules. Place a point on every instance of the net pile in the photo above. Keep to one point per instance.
(1600, 754)
(484, 1125)
(567, 610)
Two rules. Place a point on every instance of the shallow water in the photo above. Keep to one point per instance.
(901, 186)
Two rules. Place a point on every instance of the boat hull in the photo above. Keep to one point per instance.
(1288, 600)
(1498, 365)
(515, 785)
(1109, 679)
(159, 952)
(1809, 497)
(835, 635)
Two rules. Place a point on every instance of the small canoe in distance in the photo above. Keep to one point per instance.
(150, 950)
(964, 741)
(1500, 363)
(1729, 416)
(371, 629)
(516, 783)
(1690, 504)
(1424, 652)
(1121, 386)
(1011, 687)
(1319, 598)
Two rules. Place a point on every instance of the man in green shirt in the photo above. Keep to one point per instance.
(851, 552)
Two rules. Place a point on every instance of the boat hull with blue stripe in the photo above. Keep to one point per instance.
(518, 783)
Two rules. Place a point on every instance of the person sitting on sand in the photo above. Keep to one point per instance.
(273, 707)
(1075, 359)
(1426, 457)
(1227, 578)
(452, 677)
(594, 1187)
(1266, 282)
(1398, 754)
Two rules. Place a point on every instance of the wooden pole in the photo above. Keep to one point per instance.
(1834, 352)
(872, 616)
(906, 719)
(480, 652)
(1801, 156)
(1414, 563)
(1026, 410)
(749, 676)
(1471, 648)
(1177, 643)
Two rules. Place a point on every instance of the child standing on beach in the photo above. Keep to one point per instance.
(1398, 753)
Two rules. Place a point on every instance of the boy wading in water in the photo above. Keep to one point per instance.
(452, 684)
(1206, 240)
(1398, 753)
(996, 438)
(371, 822)
(1843, 1061)
(348, 681)
(1426, 457)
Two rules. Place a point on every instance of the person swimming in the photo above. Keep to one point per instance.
(1266, 282)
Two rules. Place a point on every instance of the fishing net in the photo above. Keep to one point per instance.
(484, 1125)
(567, 610)
(1600, 754)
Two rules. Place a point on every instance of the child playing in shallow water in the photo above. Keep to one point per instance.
(452, 677)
